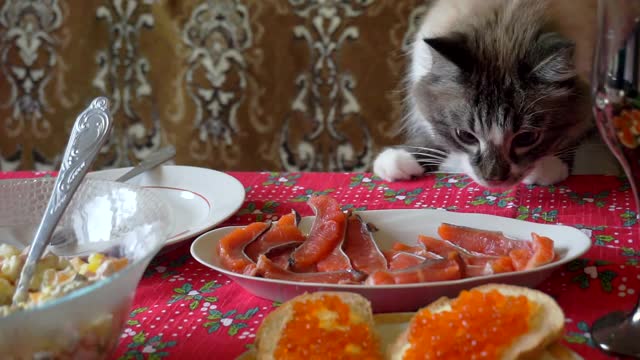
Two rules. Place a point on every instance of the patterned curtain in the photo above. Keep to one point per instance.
(295, 85)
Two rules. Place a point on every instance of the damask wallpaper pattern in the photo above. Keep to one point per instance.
(293, 85)
(233, 84)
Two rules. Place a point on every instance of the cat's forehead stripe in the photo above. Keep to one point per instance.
(496, 135)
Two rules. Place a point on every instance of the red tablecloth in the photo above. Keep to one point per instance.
(183, 310)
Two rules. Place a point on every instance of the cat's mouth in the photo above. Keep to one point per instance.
(510, 182)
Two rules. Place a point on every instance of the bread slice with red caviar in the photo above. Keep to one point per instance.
(320, 325)
(530, 325)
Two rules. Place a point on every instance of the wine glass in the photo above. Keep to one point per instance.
(616, 105)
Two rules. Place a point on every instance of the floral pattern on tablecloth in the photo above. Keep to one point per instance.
(185, 310)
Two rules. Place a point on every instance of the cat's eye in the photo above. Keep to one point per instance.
(526, 138)
(466, 137)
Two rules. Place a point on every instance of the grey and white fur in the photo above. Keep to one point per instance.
(492, 92)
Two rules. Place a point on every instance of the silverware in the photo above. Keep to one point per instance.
(89, 133)
(64, 242)
(153, 160)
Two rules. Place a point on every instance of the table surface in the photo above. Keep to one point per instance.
(185, 310)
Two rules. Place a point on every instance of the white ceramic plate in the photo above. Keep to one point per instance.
(404, 226)
(199, 198)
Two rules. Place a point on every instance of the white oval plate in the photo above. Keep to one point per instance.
(198, 198)
(404, 226)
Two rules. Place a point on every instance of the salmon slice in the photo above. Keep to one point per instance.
(270, 270)
(231, 248)
(281, 259)
(497, 264)
(480, 241)
(417, 250)
(361, 248)
(428, 271)
(477, 270)
(542, 253)
(281, 254)
(327, 232)
(284, 231)
(502, 264)
(402, 260)
(520, 258)
(337, 260)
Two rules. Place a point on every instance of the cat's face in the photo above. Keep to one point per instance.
(497, 119)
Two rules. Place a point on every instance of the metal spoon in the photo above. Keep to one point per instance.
(63, 241)
(88, 135)
(151, 161)
(617, 333)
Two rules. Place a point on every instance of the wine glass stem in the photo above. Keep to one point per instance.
(630, 170)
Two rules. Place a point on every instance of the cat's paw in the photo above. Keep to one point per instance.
(548, 171)
(396, 164)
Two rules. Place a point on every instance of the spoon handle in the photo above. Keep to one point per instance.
(163, 155)
(89, 133)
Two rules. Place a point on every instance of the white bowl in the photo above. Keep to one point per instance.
(405, 226)
(122, 219)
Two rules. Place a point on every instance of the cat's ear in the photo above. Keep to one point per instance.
(551, 59)
(452, 49)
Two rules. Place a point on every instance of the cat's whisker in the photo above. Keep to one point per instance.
(427, 156)
(543, 111)
(431, 162)
(567, 151)
(428, 149)
(531, 104)
(427, 153)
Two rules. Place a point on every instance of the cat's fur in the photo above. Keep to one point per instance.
(495, 69)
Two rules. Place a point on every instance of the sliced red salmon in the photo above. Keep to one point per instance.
(361, 248)
(480, 241)
(270, 270)
(231, 248)
(402, 260)
(444, 247)
(497, 264)
(502, 264)
(327, 232)
(284, 231)
(281, 254)
(418, 250)
(428, 271)
(337, 260)
(477, 270)
(520, 258)
(542, 252)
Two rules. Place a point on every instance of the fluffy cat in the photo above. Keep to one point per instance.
(493, 92)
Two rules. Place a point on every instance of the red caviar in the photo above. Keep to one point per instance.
(479, 326)
(326, 329)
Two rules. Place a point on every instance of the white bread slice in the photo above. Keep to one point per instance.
(557, 351)
(546, 325)
(271, 328)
